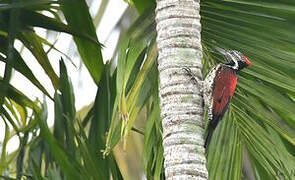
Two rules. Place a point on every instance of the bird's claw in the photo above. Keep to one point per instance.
(191, 74)
(188, 70)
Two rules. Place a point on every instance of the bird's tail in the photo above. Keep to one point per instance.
(211, 127)
(208, 137)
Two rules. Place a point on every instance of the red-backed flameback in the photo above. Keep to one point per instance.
(219, 87)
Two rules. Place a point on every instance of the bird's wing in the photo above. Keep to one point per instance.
(224, 87)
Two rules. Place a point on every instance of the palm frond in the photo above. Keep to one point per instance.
(262, 109)
(90, 53)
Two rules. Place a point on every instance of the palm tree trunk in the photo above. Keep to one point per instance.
(179, 45)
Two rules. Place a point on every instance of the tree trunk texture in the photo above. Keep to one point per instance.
(179, 46)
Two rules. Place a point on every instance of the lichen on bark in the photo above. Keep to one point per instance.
(179, 46)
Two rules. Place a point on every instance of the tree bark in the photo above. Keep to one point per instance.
(179, 45)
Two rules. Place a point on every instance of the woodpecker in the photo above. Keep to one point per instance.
(219, 87)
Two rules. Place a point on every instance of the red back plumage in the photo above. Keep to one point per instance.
(224, 87)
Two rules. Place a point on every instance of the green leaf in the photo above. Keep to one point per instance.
(36, 170)
(153, 148)
(32, 42)
(131, 53)
(35, 155)
(100, 13)
(9, 105)
(19, 65)
(22, 113)
(3, 159)
(100, 122)
(5, 113)
(29, 19)
(25, 4)
(53, 173)
(66, 88)
(114, 134)
(132, 84)
(225, 153)
(285, 106)
(159, 167)
(21, 156)
(13, 25)
(267, 117)
(261, 107)
(271, 5)
(89, 52)
(19, 97)
(140, 89)
(141, 6)
(52, 46)
(129, 56)
(116, 173)
(68, 107)
(269, 153)
(88, 155)
(114, 130)
(69, 166)
(59, 120)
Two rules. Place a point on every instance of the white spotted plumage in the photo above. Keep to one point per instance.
(207, 89)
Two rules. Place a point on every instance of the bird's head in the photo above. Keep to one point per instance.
(237, 59)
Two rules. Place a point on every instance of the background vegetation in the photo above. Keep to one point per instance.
(256, 140)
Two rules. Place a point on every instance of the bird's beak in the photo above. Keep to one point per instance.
(224, 53)
(220, 50)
